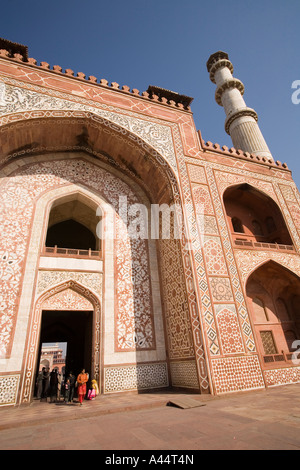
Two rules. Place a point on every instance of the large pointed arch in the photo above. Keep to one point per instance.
(32, 133)
(126, 152)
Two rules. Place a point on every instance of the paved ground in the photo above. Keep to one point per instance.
(265, 419)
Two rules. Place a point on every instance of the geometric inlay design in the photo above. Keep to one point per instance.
(221, 289)
(197, 174)
(202, 199)
(178, 325)
(229, 329)
(184, 374)
(282, 376)
(228, 253)
(135, 377)
(8, 389)
(214, 256)
(233, 374)
(268, 342)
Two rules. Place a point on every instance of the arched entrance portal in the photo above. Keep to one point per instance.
(70, 313)
(71, 330)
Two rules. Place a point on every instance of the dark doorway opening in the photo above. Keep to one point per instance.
(71, 234)
(73, 223)
(74, 328)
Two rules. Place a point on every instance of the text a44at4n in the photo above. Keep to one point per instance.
(152, 459)
(171, 459)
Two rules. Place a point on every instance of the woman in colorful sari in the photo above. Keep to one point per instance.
(81, 382)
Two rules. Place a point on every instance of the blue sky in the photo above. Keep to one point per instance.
(167, 43)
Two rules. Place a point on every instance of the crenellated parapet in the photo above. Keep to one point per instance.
(241, 154)
(18, 53)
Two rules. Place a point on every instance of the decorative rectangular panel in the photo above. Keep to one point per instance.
(282, 376)
(8, 389)
(184, 374)
(233, 374)
(268, 342)
(135, 377)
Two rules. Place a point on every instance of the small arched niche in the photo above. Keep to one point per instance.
(72, 224)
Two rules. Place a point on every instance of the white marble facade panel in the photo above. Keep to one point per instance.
(20, 191)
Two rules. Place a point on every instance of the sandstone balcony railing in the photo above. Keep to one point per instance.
(266, 246)
(71, 252)
(281, 357)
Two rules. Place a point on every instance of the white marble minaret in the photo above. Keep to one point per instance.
(241, 121)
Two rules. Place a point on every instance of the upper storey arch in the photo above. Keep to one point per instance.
(72, 223)
(260, 220)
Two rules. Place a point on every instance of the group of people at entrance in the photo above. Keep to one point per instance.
(54, 385)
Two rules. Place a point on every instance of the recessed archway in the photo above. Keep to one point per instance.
(124, 152)
(273, 295)
(253, 216)
(97, 136)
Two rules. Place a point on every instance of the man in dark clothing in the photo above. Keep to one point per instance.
(39, 384)
(46, 376)
(53, 385)
(72, 380)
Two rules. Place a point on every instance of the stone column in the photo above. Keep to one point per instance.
(241, 121)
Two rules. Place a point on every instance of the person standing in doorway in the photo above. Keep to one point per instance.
(67, 390)
(59, 381)
(72, 380)
(46, 383)
(53, 385)
(81, 382)
(39, 384)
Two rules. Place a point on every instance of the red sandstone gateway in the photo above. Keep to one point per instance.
(214, 310)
